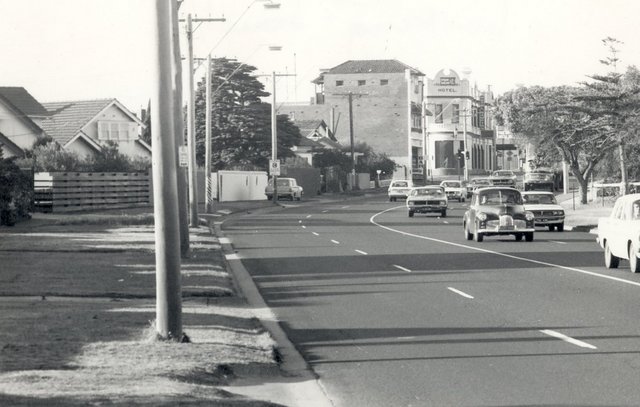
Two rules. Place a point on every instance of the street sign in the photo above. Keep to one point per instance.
(183, 153)
(274, 167)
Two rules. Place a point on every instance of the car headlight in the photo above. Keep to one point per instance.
(529, 216)
(443, 202)
(410, 203)
(558, 212)
(481, 216)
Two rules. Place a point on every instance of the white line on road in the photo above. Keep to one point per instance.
(299, 221)
(225, 211)
(308, 216)
(345, 207)
(510, 256)
(361, 252)
(459, 292)
(232, 256)
(555, 241)
(325, 211)
(304, 227)
(402, 268)
(444, 221)
(567, 339)
(335, 241)
(315, 233)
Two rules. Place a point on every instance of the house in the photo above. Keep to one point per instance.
(316, 136)
(84, 126)
(20, 118)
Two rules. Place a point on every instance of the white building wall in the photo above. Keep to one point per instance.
(16, 130)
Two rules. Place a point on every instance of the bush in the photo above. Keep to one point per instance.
(16, 192)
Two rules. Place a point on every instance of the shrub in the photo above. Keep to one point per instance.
(16, 192)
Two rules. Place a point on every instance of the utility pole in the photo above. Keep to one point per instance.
(207, 146)
(466, 151)
(165, 208)
(424, 140)
(350, 96)
(178, 124)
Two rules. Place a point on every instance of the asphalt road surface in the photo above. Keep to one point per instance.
(396, 311)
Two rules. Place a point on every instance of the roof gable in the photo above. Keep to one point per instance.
(22, 100)
(10, 145)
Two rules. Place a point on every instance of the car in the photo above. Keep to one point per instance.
(497, 211)
(619, 234)
(287, 188)
(455, 189)
(398, 189)
(539, 181)
(545, 208)
(503, 177)
(427, 199)
(477, 183)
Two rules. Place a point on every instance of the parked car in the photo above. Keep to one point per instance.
(287, 188)
(545, 208)
(455, 189)
(497, 211)
(477, 183)
(539, 181)
(398, 189)
(619, 234)
(503, 178)
(427, 199)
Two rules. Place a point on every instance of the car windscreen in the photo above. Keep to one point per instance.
(535, 199)
(283, 182)
(451, 184)
(499, 197)
(400, 184)
(427, 192)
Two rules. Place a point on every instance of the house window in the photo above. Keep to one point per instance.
(362, 82)
(339, 83)
(116, 131)
(438, 113)
(455, 111)
(416, 121)
(384, 82)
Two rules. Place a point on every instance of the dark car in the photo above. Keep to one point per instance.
(497, 211)
(539, 181)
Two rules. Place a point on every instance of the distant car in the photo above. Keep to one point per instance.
(503, 178)
(398, 189)
(427, 199)
(619, 234)
(545, 208)
(455, 189)
(477, 183)
(497, 211)
(539, 181)
(287, 188)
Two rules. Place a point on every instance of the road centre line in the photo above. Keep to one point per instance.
(325, 211)
(555, 241)
(402, 268)
(567, 339)
(345, 207)
(304, 227)
(444, 221)
(460, 292)
(510, 256)
(361, 252)
(335, 241)
(308, 216)
(316, 233)
(299, 221)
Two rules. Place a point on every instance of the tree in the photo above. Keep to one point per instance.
(560, 117)
(241, 122)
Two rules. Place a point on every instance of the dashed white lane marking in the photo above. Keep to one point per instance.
(325, 211)
(224, 240)
(568, 339)
(304, 227)
(345, 207)
(232, 256)
(510, 256)
(402, 268)
(460, 292)
(225, 211)
(316, 233)
(308, 216)
(444, 221)
(299, 221)
(361, 252)
(335, 241)
(555, 241)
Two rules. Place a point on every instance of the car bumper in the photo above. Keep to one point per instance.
(548, 221)
(503, 230)
(427, 208)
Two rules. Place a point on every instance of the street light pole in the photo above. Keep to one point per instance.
(191, 142)
(207, 145)
(274, 136)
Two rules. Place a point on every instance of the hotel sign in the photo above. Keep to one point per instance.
(447, 84)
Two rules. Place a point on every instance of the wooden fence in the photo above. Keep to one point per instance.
(78, 191)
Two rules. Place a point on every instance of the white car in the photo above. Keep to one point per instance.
(619, 234)
(427, 199)
(398, 189)
(545, 208)
(455, 189)
(287, 188)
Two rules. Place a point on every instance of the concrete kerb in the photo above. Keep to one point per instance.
(301, 386)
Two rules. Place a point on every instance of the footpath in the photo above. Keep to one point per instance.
(77, 293)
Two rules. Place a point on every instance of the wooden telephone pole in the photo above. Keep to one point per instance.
(350, 96)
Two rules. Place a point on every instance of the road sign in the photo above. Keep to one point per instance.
(274, 167)
(183, 153)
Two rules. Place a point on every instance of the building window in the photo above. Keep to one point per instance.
(416, 121)
(116, 131)
(362, 82)
(339, 83)
(444, 154)
(384, 82)
(455, 112)
(438, 113)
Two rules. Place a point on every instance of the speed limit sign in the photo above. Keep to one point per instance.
(274, 167)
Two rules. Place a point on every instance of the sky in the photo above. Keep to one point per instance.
(91, 49)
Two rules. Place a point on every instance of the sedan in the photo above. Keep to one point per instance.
(427, 199)
(545, 208)
(398, 189)
(619, 234)
(497, 211)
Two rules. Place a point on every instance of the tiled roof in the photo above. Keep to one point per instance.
(21, 99)
(369, 66)
(67, 118)
(307, 142)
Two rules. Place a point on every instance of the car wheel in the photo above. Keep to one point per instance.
(560, 227)
(478, 237)
(610, 261)
(634, 264)
(269, 197)
(411, 214)
(528, 236)
(551, 228)
(443, 213)
(467, 235)
(518, 237)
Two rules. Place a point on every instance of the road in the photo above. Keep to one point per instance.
(397, 311)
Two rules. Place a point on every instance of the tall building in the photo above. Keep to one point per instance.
(385, 111)
(460, 130)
